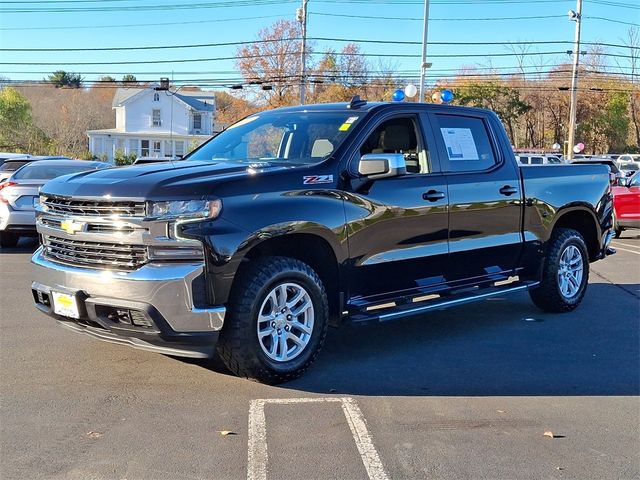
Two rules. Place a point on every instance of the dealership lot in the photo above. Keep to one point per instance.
(465, 393)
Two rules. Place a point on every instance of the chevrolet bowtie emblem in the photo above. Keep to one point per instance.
(72, 227)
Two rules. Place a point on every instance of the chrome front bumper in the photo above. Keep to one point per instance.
(164, 293)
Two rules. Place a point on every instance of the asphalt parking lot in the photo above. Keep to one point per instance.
(465, 393)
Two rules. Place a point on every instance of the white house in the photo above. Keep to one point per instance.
(152, 123)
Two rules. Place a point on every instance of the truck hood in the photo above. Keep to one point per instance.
(157, 181)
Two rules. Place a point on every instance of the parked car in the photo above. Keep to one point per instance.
(629, 158)
(8, 156)
(10, 165)
(542, 159)
(19, 195)
(301, 217)
(615, 172)
(628, 168)
(626, 204)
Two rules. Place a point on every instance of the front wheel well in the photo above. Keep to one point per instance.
(310, 249)
(584, 223)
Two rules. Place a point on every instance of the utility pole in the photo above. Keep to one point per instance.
(301, 15)
(576, 17)
(424, 65)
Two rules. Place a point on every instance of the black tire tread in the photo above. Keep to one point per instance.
(233, 345)
(547, 296)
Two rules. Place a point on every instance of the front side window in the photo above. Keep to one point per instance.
(292, 137)
(398, 135)
(197, 121)
(465, 143)
(156, 119)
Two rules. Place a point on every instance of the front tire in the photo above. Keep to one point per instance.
(8, 239)
(276, 322)
(565, 273)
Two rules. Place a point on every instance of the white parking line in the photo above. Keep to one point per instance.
(616, 242)
(257, 444)
(626, 249)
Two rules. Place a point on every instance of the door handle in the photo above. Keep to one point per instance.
(508, 190)
(433, 196)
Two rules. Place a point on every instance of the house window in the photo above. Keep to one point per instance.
(155, 118)
(133, 146)
(168, 151)
(197, 121)
(144, 151)
(179, 149)
(156, 149)
(156, 97)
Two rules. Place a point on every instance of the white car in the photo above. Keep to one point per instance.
(629, 158)
(20, 193)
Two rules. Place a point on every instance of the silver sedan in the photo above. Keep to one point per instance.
(19, 194)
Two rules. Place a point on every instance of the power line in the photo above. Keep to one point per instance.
(155, 24)
(137, 8)
(451, 19)
(387, 55)
(323, 39)
(612, 20)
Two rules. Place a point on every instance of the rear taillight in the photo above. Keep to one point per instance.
(3, 186)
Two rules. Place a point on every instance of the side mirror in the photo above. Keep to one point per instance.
(622, 181)
(382, 165)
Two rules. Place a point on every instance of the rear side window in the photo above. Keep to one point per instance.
(537, 160)
(11, 166)
(465, 143)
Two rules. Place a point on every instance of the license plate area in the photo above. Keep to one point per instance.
(65, 304)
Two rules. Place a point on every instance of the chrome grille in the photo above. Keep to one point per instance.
(94, 254)
(53, 204)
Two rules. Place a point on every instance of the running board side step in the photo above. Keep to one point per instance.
(442, 303)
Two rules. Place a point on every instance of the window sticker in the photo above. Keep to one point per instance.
(460, 144)
(347, 124)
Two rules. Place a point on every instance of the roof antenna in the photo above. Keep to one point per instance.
(356, 102)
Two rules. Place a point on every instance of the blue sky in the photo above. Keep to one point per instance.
(217, 23)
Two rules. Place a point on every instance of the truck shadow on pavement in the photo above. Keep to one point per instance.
(505, 347)
(25, 245)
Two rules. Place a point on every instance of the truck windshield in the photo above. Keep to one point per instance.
(291, 137)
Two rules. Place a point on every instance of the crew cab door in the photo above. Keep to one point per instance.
(397, 226)
(485, 197)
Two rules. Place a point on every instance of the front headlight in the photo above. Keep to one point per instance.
(179, 209)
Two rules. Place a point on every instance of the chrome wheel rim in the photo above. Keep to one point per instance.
(570, 271)
(285, 322)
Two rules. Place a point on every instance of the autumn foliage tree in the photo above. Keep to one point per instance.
(274, 60)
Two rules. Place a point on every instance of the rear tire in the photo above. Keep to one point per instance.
(276, 321)
(8, 239)
(565, 273)
(617, 229)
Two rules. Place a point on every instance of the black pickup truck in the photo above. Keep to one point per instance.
(299, 218)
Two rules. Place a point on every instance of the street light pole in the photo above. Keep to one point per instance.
(302, 18)
(577, 17)
(423, 65)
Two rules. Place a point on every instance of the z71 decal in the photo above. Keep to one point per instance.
(315, 179)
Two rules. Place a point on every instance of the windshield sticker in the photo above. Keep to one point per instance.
(460, 144)
(316, 179)
(351, 120)
(344, 127)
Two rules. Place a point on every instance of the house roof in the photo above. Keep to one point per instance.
(196, 99)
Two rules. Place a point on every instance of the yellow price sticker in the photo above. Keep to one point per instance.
(344, 127)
